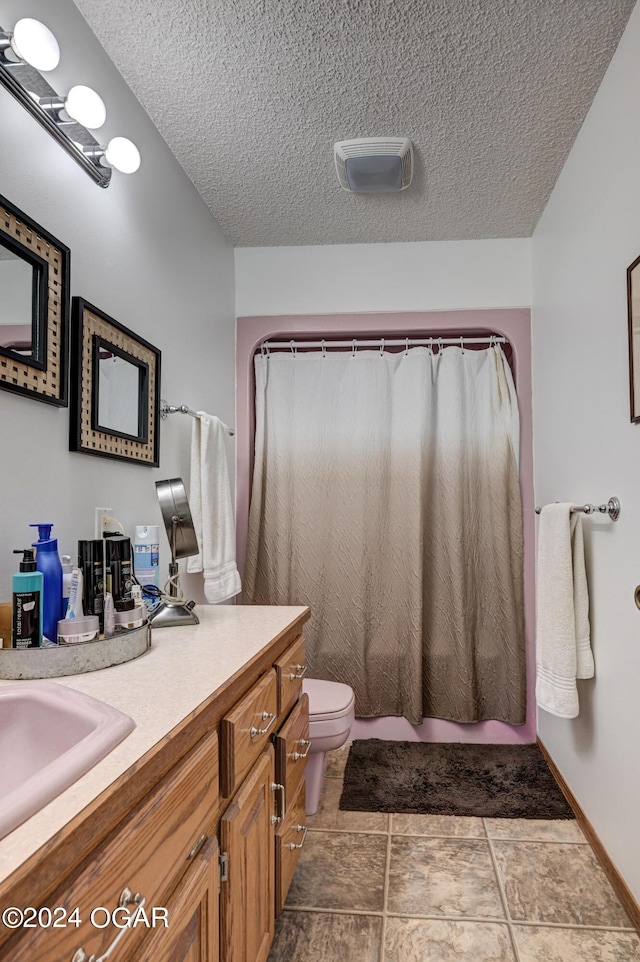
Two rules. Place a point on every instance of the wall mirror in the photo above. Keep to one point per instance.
(115, 389)
(34, 301)
(633, 307)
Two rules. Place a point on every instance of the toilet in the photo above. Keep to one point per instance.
(331, 714)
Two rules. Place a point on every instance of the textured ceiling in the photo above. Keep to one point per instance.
(250, 96)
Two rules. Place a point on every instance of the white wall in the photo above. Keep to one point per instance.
(148, 252)
(585, 448)
(344, 278)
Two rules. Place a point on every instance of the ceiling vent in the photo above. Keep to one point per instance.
(374, 164)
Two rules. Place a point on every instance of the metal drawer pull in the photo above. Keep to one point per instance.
(263, 731)
(277, 787)
(196, 848)
(297, 755)
(126, 898)
(301, 669)
(299, 828)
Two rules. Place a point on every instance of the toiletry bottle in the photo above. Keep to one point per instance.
(48, 562)
(27, 588)
(67, 571)
(91, 563)
(118, 566)
(146, 554)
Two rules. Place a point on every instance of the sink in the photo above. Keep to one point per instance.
(50, 735)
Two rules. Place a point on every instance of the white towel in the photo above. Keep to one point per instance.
(563, 649)
(212, 510)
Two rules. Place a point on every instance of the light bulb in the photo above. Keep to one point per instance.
(85, 106)
(35, 44)
(123, 155)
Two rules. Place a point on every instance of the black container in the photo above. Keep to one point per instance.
(118, 567)
(91, 563)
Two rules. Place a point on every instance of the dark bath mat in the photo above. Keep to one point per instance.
(494, 781)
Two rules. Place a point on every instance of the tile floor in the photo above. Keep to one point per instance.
(372, 887)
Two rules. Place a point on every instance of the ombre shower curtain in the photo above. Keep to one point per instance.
(386, 497)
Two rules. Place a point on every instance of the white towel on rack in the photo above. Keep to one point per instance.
(212, 510)
(563, 648)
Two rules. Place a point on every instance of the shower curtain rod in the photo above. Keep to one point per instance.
(382, 342)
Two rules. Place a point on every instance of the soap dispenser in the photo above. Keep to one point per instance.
(26, 628)
(48, 562)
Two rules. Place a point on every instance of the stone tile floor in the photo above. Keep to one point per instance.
(372, 887)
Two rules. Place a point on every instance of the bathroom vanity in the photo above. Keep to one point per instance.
(194, 823)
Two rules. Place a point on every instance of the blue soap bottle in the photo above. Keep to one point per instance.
(48, 562)
(27, 603)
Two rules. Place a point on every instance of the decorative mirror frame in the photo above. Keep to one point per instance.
(92, 331)
(633, 311)
(44, 377)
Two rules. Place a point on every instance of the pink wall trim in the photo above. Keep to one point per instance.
(515, 325)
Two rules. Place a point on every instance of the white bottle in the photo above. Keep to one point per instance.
(146, 554)
(67, 570)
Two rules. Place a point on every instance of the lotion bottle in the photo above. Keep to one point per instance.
(48, 562)
(27, 590)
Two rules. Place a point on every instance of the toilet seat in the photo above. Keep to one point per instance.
(328, 700)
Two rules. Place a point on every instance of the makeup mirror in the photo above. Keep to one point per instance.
(34, 293)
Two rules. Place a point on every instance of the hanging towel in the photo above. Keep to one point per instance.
(563, 649)
(212, 510)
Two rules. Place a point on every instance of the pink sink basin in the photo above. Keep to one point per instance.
(50, 735)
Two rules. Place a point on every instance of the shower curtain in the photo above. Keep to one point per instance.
(386, 497)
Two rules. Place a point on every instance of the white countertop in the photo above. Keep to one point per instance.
(183, 667)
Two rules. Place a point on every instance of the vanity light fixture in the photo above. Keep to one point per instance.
(32, 48)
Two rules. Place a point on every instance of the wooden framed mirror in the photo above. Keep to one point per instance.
(115, 389)
(633, 309)
(34, 308)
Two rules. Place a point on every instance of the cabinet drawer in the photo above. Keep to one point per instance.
(290, 669)
(146, 855)
(246, 730)
(292, 747)
(290, 838)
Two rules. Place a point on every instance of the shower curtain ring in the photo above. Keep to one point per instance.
(381, 346)
(324, 348)
(462, 344)
(440, 346)
(354, 347)
(406, 349)
(294, 349)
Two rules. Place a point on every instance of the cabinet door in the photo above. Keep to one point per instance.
(193, 932)
(248, 893)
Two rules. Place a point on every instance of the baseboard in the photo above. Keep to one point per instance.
(617, 882)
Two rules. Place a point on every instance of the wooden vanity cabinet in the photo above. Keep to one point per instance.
(165, 833)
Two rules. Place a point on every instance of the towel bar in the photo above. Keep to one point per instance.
(612, 508)
(166, 409)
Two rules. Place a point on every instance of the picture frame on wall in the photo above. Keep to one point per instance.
(115, 389)
(633, 310)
